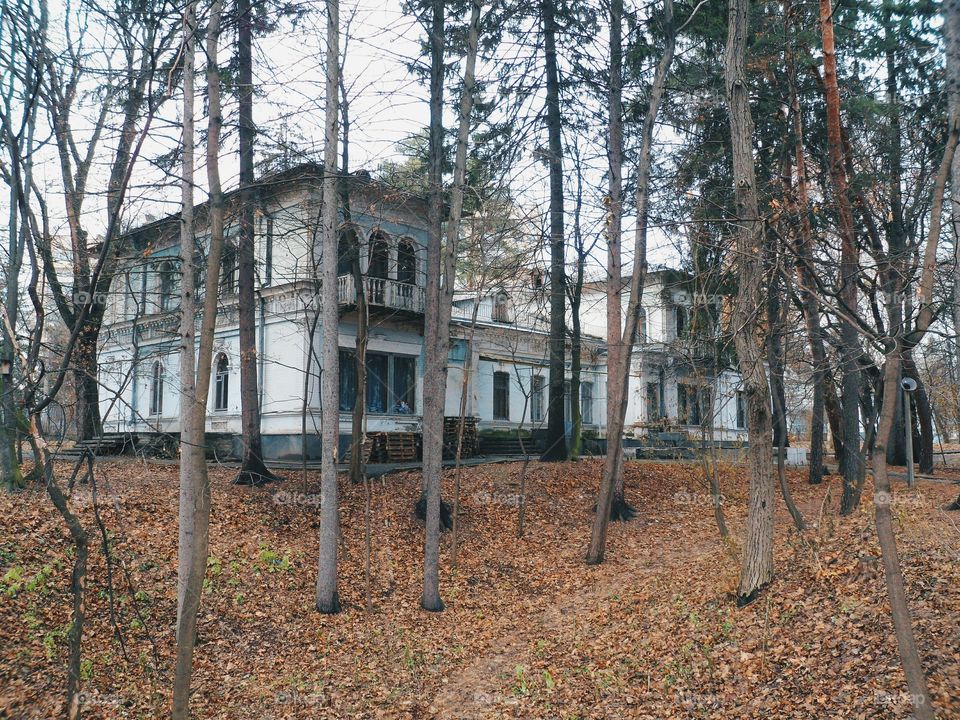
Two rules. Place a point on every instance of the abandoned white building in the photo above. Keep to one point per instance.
(499, 359)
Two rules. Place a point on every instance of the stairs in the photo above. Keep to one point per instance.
(508, 446)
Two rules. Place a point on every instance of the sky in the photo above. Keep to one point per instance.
(387, 104)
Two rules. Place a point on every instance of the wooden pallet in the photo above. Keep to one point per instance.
(400, 446)
(451, 429)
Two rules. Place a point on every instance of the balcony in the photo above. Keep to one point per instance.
(383, 293)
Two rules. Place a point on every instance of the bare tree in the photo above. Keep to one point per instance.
(194, 515)
(618, 364)
(328, 600)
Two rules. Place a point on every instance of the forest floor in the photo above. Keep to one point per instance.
(529, 630)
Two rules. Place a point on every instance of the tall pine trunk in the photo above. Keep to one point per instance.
(851, 459)
(556, 441)
(253, 471)
(328, 599)
(757, 569)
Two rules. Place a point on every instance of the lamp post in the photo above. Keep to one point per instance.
(909, 385)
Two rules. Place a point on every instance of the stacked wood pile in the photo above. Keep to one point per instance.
(451, 428)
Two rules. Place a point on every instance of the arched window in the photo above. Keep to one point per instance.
(156, 389)
(222, 383)
(168, 286)
(379, 257)
(501, 308)
(346, 250)
(406, 263)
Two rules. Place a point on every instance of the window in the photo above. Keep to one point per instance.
(348, 380)
(406, 263)
(379, 257)
(404, 384)
(681, 317)
(641, 325)
(167, 275)
(501, 396)
(222, 383)
(741, 409)
(536, 398)
(693, 404)
(268, 251)
(346, 250)
(391, 382)
(586, 403)
(156, 389)
(377, 382)
(228, 269)
(379, 268)
(653, 401)
(501, 308)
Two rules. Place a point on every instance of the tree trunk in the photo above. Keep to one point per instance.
(757, 568)
(328, 599)
(851, 461)
(951, 32)
(923, 414)
(253, 471)
(86, 383)
(435, 350)
(556, 441)
(896, 592)
(194, 510)
(619, 373)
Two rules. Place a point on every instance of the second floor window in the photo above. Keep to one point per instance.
(268, 250)
(222, 384)
(501, 396)
(228, 269)
(741, 409)
(169, 286)
(406, 263)
(156, 389)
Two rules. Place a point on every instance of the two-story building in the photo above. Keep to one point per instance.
(499, 340)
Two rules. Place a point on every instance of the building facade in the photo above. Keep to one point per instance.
(498, 362)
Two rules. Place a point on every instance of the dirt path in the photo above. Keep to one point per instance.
(476, 691)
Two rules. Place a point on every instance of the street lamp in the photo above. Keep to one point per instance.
(909, 385)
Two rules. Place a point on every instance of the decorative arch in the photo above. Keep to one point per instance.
(348, 248)
(378, 265)
(407, 261)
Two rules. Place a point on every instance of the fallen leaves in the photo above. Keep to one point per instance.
(529, 630)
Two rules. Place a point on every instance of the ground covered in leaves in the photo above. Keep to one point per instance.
(529, 631)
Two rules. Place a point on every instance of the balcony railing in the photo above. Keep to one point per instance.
(382, 292)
